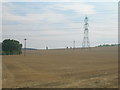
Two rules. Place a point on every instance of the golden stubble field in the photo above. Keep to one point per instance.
(96, 68)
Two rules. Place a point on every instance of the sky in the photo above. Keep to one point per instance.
(58, 24)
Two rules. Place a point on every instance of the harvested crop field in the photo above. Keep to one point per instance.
(79, 68)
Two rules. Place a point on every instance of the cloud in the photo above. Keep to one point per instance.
(51, 13)
(46, 21)
(60, 0)
(45, 18)
(79, 8)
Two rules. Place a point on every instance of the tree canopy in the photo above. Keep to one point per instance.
(10, 47)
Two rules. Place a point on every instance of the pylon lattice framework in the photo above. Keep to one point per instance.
(86, 42)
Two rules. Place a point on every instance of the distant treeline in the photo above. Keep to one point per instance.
(106, 45)
(29, 49)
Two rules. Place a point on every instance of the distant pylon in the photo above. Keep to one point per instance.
(86, 42)
(73, 44)
(25, 47)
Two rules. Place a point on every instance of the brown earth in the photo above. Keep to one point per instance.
(79, 68)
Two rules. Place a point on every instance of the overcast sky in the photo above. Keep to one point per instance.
(57, 24)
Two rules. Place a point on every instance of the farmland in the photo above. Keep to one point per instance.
(62, 68)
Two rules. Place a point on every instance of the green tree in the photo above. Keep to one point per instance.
(10, 47)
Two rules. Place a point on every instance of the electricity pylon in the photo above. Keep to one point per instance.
(86, 42)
